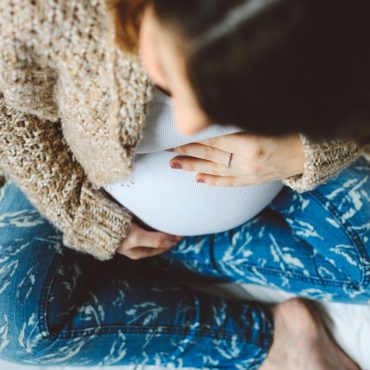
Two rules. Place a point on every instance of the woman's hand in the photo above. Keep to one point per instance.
(256, 160)
(140, 243)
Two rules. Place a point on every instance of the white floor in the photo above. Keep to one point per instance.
(350, 326)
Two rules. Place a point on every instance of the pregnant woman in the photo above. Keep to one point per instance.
(84, 136)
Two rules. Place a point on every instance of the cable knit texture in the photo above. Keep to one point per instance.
(72, 110)
(323, 161)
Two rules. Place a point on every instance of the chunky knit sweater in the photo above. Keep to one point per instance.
(72, 110)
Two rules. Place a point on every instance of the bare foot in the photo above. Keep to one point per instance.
(301, 341)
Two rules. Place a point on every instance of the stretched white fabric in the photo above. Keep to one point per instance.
(171, 200)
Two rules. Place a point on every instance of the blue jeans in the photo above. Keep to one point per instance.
(60, 307)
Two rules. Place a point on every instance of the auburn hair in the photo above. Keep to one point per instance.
(127, 16)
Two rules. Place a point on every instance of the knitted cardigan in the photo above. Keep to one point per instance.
(72, 110)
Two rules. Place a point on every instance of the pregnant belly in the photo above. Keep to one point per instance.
(171, 201)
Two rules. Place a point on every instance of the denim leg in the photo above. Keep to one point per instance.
(60, 307)
(315, 244)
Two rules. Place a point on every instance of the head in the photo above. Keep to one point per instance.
(272, 67)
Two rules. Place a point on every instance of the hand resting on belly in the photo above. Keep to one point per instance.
(172, 201)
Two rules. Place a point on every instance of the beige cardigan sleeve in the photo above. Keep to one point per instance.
(323, 161)
(34, 155)
(33, 151)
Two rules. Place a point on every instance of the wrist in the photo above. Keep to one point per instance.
(297, 157)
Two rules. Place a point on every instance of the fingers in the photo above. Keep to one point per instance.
(231, 143)
(140, 243)
(142, 252)
(222, 180)
(149, 239)
(203, 152)
(203, 166)
(233, 181)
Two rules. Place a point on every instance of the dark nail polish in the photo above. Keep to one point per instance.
(169, 150)
(176, 166)
(201, 181)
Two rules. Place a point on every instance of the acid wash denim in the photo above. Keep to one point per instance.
(60, 307)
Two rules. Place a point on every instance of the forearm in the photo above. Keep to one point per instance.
(34, 154)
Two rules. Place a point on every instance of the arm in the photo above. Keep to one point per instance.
(323, 161)
(33, 152)
(34, 155)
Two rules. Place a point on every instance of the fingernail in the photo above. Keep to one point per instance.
(201, 181)
(176, 166)
(169, 150)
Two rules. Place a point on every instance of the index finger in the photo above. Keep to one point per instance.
(227, 143)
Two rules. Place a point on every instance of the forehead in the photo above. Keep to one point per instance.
(162, 43)
(153, 30)
(149, 25)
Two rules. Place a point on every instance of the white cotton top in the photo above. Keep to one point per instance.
(171, 200)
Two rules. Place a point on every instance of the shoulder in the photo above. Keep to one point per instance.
(35, 37)
(44, 26)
